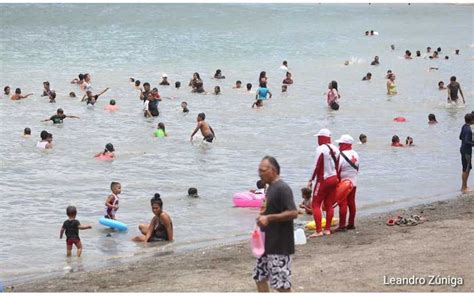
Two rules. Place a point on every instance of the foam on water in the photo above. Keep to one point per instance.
(42, 42)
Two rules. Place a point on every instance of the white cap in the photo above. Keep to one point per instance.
(324, 132)
(345, 139)
(164, 75)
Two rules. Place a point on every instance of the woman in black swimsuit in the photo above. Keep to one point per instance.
(160, 227)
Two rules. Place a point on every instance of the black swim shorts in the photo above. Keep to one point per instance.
(209, 138)
(274, 268)
(466, 162)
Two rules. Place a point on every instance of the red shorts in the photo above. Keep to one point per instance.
(73, 241)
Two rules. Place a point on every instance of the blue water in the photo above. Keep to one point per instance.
(55, 42)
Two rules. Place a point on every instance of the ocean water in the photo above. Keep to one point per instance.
(55, 42)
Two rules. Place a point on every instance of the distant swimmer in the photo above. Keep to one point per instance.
(46, 140)
(184, 106)
(391, 87)
(284, 66)
(363, 139)
(408, 55)
(52, 96)
(409, 142)
(111, 107)
(249, 88)
(441, 86)
(218, 74)
(453, 88)
(27, 132)
(206, 130)
(59, 117)
(333, 95)
(92, 99)
(164, 79)
(367, 77)
(72, 226)
(18, 96)
(238, 85)
(193, 192)
(262, 77)
(288, 79)
(86, 84)
(46, 89)
(396, 141)
(160, 131)
(456, 51)
(112, 201)
(196, 84)
(107, 154)
(432, 119)
(78, 81)
(392, 47)
(376, 61)
(136, 84)
(177, 85)
(6, 91)
(217, 90)
(418, 53)
(284, 89)
(389, 72)
(160, 227)
(72, 94)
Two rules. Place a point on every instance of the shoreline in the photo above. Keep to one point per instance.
(374, 257)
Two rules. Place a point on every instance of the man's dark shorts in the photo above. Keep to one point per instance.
(466, 162)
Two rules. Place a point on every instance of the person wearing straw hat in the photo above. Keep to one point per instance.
(164, 79)
(348, 170)
(325, 175)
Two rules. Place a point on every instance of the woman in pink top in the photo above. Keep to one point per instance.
(333, 95)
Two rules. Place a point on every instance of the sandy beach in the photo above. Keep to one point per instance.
(364, 260)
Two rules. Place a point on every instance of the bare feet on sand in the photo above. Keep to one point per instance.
(316, 234)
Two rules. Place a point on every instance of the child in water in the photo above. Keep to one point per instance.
(363, 139)
(217, 90)
(396, 141)
(305, 206)
(108, 152)
(257, 103)
(112, 201)
(409, 141)
(432, 119)
(206, 130)
(27, 132)
(260, 188)
(184, 105)
(161, 131)
(71, 226)
(111, 107)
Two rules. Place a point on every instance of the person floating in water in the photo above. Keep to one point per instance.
(160, 131)
(59, 117)
(396, 141)
(111, 107)
(218, 74)
(376, 61)
(238, 84)
(92, 99)
(18, 96)
(46, 141)
(363, 139)
(107, 154)
(160, 227)
(432, 119)
(27, 132)
(112, 201)
(71, 226)
(206, 130)
(367, 77)
(164, 80)
(217, 90)
(184, 106)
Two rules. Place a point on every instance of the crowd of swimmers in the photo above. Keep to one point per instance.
(333, 164)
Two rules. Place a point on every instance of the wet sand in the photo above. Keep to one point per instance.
(355, 260)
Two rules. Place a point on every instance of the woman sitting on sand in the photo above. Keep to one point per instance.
(160, 227)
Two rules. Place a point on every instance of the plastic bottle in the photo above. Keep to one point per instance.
(300, 237)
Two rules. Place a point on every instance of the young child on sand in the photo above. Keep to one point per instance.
(161, 131)
(206, 130)
(71, 226)
(112, 201)
(108, 152)
(305, 206)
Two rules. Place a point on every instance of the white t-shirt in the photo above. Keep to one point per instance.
(284, 68)
(41, 145)
(347, 171)
(329, 165)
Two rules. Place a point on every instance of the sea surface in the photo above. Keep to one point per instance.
(55, 42)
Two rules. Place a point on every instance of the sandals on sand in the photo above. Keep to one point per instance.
(414, 220)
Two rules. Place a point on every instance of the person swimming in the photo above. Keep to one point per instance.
(363, 139)
(367, 77)
(396, 141)
(432, 119)
(218, 74)
(160, 131)
(391, 86)
(111, 107)
(108, 152)
(184, 106)
(26, 132)
(217, 90)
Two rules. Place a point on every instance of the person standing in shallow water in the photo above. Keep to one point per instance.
(276, 221)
